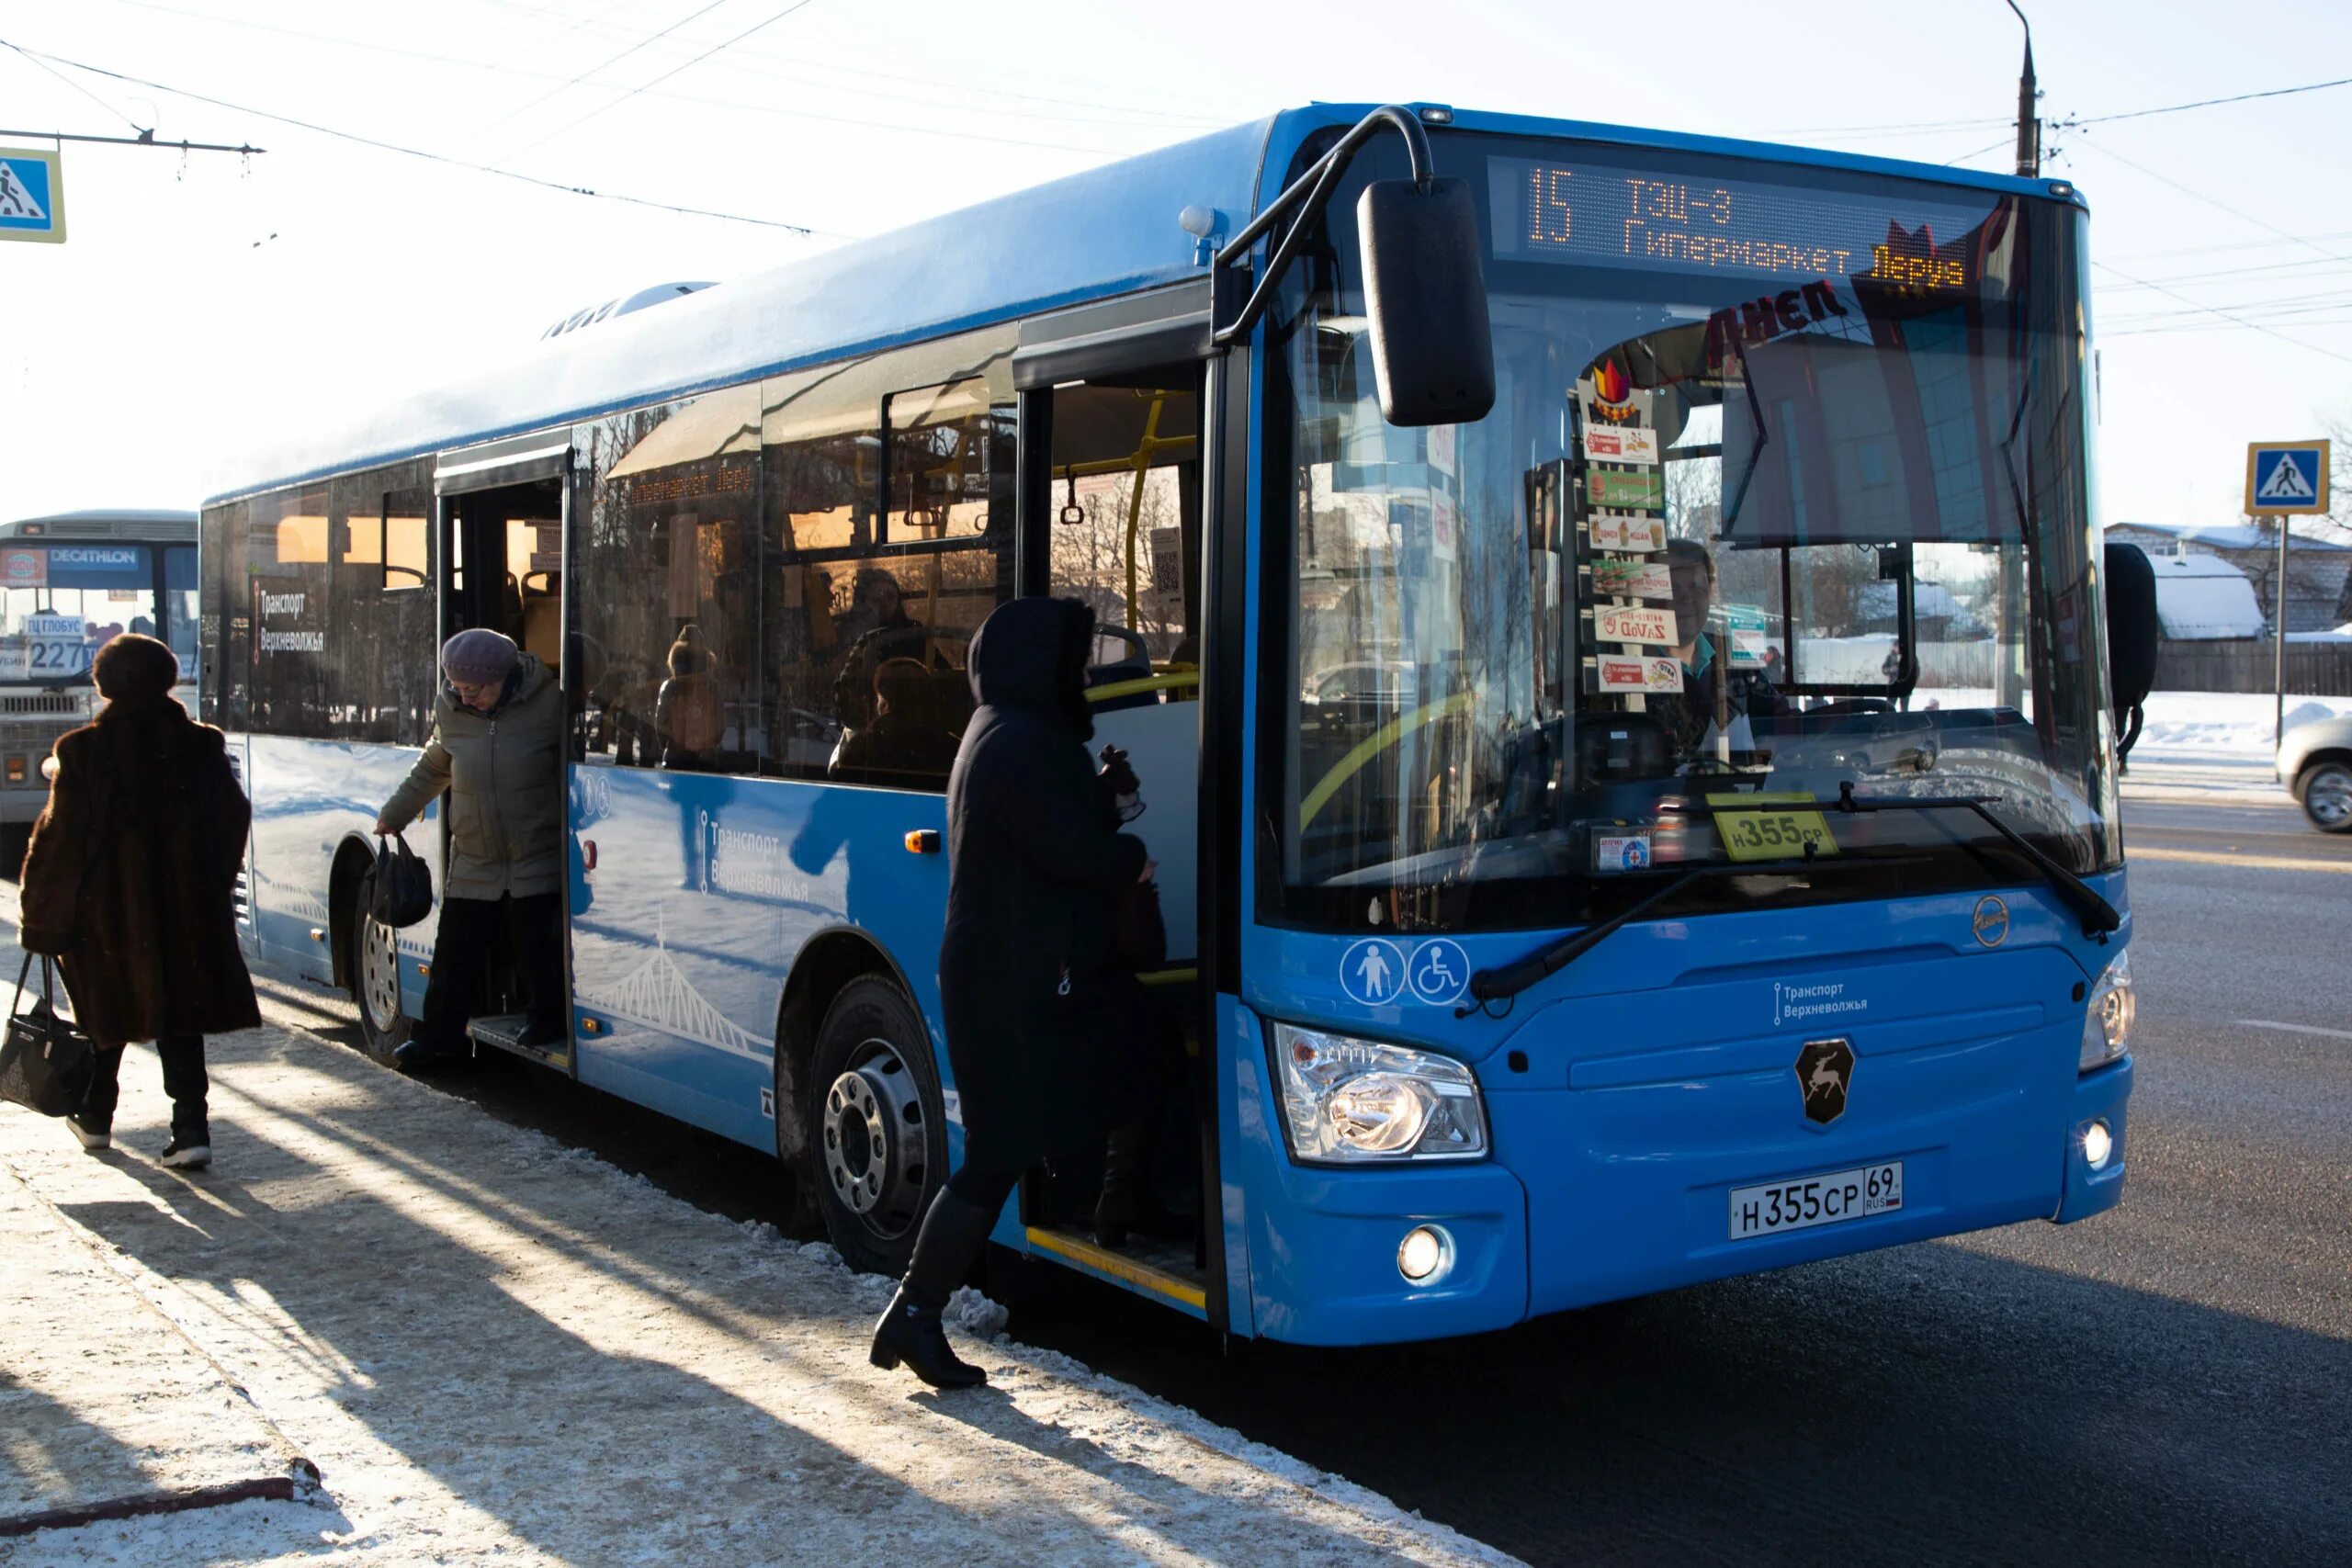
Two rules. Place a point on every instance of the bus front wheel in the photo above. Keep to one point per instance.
(877, 1146)
(374, 966)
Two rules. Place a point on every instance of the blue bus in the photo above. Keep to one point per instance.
(1609, 624)
(68, 581)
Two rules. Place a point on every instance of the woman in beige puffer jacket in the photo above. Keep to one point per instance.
(497, 748)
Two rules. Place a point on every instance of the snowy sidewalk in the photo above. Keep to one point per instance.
(107, 1409)
(495, 1347)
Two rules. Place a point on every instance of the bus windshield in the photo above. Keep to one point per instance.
(60, 603)
(1785, 490)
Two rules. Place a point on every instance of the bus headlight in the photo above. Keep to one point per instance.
(2107, 1027)
(1347, 1101)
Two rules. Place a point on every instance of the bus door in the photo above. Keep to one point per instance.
(502, 516)
(1112, 513)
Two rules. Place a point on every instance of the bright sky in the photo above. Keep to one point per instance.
(198, 301)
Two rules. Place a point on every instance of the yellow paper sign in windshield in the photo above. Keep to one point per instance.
(1771, 827)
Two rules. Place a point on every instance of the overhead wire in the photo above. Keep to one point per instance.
(40, 63)
(714, 49)
(805, 63)
(441, 158)
(2218, 310)
(557, 91)
(501, 68)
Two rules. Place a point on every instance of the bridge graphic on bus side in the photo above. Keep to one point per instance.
(657, 995)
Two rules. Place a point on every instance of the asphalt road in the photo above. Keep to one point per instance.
(2169, 1383)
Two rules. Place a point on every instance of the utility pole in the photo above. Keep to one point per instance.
(2028, 123)
(2278, 645)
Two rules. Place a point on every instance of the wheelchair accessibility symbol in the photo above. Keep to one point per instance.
(1439, 972)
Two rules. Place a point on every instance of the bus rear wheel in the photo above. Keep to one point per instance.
(877, 1146)
(374, 965)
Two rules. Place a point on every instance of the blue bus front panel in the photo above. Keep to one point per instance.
(1628, 1097)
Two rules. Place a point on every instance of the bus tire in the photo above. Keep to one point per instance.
(374, 965)
(878, 1125)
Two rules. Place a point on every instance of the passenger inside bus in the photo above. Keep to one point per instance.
(877, 628)
(910, 740)
(686, 710)
(1710, 717)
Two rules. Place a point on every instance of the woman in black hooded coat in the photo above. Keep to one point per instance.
(1041, 1008)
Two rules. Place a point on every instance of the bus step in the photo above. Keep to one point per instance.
(505, 1033)
(1155, 1267)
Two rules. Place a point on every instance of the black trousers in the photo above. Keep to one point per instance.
(474, 935)
(183, 1080)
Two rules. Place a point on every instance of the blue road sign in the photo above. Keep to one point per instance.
(2286, 477)
(32, 196)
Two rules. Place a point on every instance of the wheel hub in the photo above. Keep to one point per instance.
(2330, 796)
(379, 973)
(872, 1130)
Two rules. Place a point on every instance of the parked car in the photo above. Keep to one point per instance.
(2315, 764)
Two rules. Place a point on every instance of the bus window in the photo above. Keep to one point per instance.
(1126, 511)
(670, 589)
(289, 595)
(385, 621)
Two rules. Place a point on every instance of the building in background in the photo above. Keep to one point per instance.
(2319, 564)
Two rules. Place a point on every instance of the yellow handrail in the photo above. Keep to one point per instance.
(1173, 681)
(1379, 740)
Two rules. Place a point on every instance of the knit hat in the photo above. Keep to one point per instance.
(131, 666)
(479, 658)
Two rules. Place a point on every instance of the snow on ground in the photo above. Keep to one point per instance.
(497, 1348)
(2225, 723)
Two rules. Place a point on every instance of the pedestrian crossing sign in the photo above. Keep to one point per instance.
(32, 196)
(2286, 478)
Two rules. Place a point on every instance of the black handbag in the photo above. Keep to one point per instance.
(45, 1062)
(403, 893)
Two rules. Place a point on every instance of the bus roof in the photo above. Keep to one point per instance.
(1106, 232)
(101, 522)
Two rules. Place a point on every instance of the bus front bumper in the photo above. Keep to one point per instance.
(1590, 1198)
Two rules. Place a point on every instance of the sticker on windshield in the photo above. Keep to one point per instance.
(1634, 579)
(1621, 851)
(1613, 674)
(1440, 972)
(1373, 971)
(1620, 444)
(1614, 623)
(1639, 534)
(1643, 489)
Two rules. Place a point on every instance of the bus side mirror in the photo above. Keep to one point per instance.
(1425, 289)
(2131, 633)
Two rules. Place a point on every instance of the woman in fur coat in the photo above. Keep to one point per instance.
(131, 884)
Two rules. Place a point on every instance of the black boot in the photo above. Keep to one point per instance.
(1114, 1212)
(953, 1234)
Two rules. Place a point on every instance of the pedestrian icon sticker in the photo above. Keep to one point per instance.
(1372, 972)
(2284, 477)
(31, 196)
(1439, 970)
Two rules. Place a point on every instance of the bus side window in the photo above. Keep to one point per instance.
(386, 650)
(1125, 524)
(669, 600)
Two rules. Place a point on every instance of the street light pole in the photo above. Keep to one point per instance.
(2028, 123)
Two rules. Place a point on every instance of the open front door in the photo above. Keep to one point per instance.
(503, 508)
(1112, 512)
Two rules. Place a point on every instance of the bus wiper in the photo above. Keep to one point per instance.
(1507, 980)
(2098, 916)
